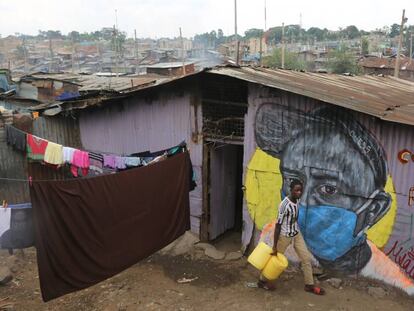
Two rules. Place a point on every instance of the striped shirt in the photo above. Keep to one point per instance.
(288, 218)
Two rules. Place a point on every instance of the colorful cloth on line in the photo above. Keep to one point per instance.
(109, 161)
(36, 147)
(132, 161)
(54, 154)
(120, 163)
(68, 154)
(80, 160)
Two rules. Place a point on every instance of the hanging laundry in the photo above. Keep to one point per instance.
(83, 238)
(120, 163)
(80, 160)
(36, 147)
(95, 163)
(21, 234)
(68, 154)
(16, 138)
(109, 161)
(132, 161)
(158, 159)
(54, 154)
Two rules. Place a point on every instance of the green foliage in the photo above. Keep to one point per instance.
(342, 61)
(291, 60)
(394, 30)
(253, 33)
(364, 46)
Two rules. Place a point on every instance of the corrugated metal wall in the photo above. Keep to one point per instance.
(393, 138)
(14, 165)
(138, 124)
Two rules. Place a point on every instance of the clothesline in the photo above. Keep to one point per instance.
(88, 162)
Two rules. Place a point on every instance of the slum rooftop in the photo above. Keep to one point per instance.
(385, 97)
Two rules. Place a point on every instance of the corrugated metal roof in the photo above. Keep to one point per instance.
(96, 83)
(387, 62)
(387, 98)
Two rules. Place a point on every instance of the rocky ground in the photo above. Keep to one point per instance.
(183, 277)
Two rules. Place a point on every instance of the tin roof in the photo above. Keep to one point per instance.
(96, 83)
(387, 62)
(387, 98)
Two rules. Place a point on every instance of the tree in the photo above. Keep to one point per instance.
(274, 35)
(253, 33)
(74, 36)
(291, 60)
(394, 30)
(351, 32)
(316, 33)
(342, 61)
(364, 46)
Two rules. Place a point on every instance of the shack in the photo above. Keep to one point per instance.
(350, 140)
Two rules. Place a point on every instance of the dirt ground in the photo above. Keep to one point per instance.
(220, 285)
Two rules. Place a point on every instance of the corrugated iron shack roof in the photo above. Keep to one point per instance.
(88, 83)
(169, 65)
(387, 62)
(387, 98)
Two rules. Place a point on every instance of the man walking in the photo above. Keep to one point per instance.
(287, 232)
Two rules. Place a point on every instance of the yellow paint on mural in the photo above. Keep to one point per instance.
(263, 183)
(381, 231)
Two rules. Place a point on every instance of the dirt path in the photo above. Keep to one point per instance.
(152, 285)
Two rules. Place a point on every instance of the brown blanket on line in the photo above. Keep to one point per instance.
(88, 230)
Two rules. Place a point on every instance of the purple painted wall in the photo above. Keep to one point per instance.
(136, 125)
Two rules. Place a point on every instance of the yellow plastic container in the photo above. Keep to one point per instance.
(260, 256)
(275, 266)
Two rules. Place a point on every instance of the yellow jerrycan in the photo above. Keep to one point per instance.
(260, 256)
(275, 266)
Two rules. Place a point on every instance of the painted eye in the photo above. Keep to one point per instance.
(328, 189)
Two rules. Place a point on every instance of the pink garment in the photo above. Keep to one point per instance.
(80, 160)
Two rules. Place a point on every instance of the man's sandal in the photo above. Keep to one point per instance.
(315, 290)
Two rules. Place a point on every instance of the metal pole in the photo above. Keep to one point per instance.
(182, 51)
(411, 48)
(235, 33)
(136, 51)
(397, 60)
(283, 46)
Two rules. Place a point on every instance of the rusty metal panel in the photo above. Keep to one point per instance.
(15, 167)
(387, 98)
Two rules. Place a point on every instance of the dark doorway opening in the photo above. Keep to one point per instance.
(225, 191)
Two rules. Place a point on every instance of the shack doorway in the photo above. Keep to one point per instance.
(225, 190)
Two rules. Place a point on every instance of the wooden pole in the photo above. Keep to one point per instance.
(397, 60)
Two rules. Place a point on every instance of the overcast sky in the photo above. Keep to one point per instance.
(162, 18)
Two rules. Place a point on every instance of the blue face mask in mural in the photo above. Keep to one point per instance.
(328, 230)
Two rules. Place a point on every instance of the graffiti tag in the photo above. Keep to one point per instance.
(403, 257)
(405, 156)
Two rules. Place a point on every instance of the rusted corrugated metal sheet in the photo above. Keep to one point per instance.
(387, 98)
(15, 167)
